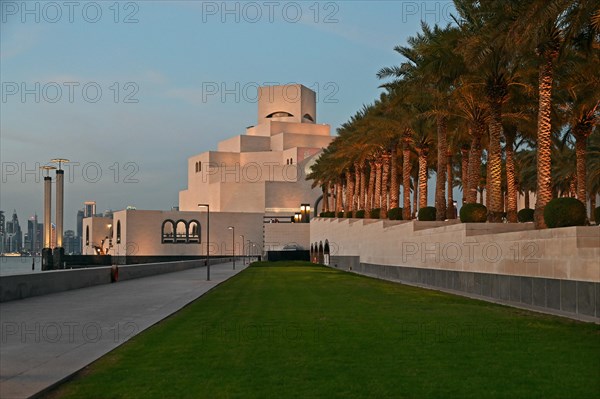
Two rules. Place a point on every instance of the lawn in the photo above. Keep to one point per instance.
(295, 330)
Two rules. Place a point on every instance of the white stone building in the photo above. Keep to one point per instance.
(252, 180)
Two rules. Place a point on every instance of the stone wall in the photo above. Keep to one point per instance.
(553, 270)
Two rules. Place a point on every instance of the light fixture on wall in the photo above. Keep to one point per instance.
(305, 213)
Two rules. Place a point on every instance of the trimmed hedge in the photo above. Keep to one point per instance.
(427, 214)
(597, 215)
(359, 214)
(340, 214)
(375, 213)
(395, 214)
(525, 215)
(473, 213)
(563, 212)
(327, 214)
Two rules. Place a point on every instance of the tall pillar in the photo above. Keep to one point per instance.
(59, 220)
(59, 251)
(47, 251)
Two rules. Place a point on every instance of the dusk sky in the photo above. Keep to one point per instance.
(130, 90)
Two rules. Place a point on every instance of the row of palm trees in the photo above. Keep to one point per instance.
(493, 103)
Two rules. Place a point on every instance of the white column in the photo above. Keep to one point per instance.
(60, 190)
(47, 211)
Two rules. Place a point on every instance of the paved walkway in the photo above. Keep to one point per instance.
(47, 338)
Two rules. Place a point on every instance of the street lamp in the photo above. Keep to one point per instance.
(207, 239)
(297, 217)
(243, 252)
(248, 246)
(232, 228)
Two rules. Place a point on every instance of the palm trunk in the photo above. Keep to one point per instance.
(464, 179)
(423, 152)
(371, 191)
(511, 185)
(415, 198)
(394, 180)
(349, 210)
(474, 164)
(526, 193)
(494, 177)
(356, 197)
(440, 178)
(340, 193)
(487, 191)
(325, 198)
(544, 133)
(377, 193)
(363, 183)
(581, 135)
(406, 169)
(335, 198)
(385, 177)
(450, 176)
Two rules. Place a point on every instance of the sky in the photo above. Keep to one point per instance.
(129, 90)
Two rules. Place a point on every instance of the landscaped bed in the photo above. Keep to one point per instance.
(292, 329)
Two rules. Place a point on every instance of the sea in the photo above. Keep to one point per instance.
(19, 265)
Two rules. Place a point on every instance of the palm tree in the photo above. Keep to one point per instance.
(549, 27)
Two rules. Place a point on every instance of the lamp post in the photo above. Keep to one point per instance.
(243, 252)
(232, 228)
(248, 246)
(207, 239)
(59, 251)
(47, 250)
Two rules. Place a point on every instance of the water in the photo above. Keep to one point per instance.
(19, 265)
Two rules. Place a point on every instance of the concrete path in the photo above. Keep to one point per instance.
(47, 338)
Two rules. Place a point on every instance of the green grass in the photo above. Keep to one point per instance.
(294, 330)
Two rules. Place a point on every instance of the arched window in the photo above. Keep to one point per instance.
(118, 231)
(168, 231)
(194, 231)
(321, 256)
(87, 235)
(196, 167)
(326, 253)
(181, 231)
(280, 114)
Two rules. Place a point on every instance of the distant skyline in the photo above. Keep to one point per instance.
(129, 90)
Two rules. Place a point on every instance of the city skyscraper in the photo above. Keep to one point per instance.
(13, 241)
(89, 209)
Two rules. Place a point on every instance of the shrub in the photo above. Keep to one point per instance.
(563, 212)
(525, 215)
(395, 214)
(427, 214)
(360, 214)
(327, 214)
(597, 215)
(340, 214)
(473, 213)
(375, 213)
